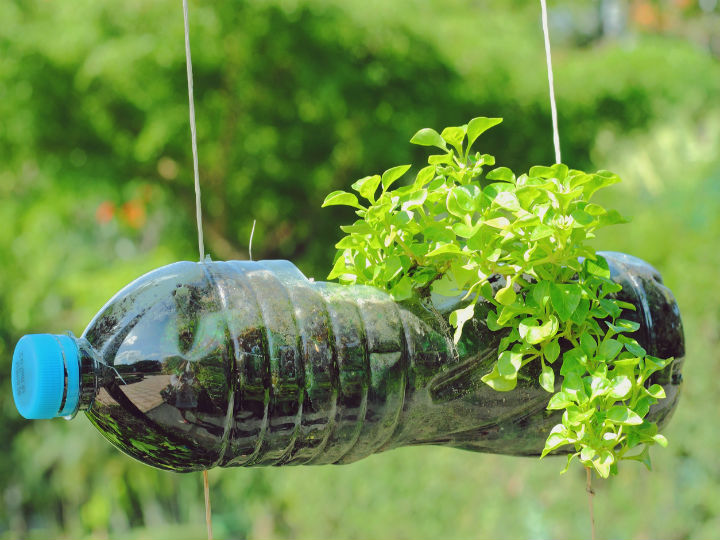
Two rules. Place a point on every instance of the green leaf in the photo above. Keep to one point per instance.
(574, 416)
(367, 186)
(414, 199)
(478, 126)
(599, 386)
(561, 400)
(653, 364)
(459, 317)
(603, 462)
(400, 218)
(509, 363)
(497, 223)
(598, 267)
(572, 384)
(623, 325)
(533, 332)
(541, 231)
(486, 159)
(428, 137)
(466, 275)
(438, 232)
(492, 321)
(359, 227)
(506, 295)
(620, 387)
(507, 316)
(599, 180)
(568, 462)
(620, 414)
(642, 407)
(391, 268)
(642, 457)
(582, 217)
(498, 382)
(574, 361)
(580, 315)
(611, 218)
(341, 198)
(502, 174)
(402, 290)
(349, 242)
(541, 293)
(610, 307)
(466, 231)
(439, 159)
(393, 174)
(577, 178)
(587, 453)
(547, 378)
(565, 299)
(632, 346)
(443, 249)
(507, 200)
(609, 349)
(595, 209)
(656, 391)
(462, 200)
(551, 351)
(424, 176)
(558, 437)
(625, 366)
(543, 172)
(339, 268)
(454, 136)
(661, 440)
(494, 255)
(588, 344)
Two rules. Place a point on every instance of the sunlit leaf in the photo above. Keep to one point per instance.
(428, 137)
(341, 198)
(478, 126)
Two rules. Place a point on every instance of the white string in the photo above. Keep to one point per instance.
(553, 108)
(251, 237)
(193, 134)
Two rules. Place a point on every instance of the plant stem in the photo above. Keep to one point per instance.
(591, 494)
(407, 251)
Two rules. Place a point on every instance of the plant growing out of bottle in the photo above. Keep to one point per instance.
(249, 363)
(460, 227)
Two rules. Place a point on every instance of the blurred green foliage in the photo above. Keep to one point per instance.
(296, 98)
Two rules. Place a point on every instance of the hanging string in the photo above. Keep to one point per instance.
(251, 237)
(193, 134)
(553, 108)
(556, 142)
(198, 214)
(208, 514)
(591, 494)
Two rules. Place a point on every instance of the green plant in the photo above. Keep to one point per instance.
(456, 225)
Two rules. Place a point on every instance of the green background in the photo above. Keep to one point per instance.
(296, 98)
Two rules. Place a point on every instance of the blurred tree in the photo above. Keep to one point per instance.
(294, 98)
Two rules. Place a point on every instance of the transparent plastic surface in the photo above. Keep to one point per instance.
(241, 363)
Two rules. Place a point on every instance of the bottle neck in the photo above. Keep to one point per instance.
(89, 375)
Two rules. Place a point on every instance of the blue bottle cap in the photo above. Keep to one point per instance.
(46, 376)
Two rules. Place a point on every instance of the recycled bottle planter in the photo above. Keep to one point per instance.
(241, 363)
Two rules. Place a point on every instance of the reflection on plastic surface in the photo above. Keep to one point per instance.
(241, 363)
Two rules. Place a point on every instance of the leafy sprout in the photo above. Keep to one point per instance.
(458, 223)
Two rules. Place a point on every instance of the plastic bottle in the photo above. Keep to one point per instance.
(196, 365)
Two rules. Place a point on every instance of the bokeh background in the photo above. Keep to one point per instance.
(296, 98)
